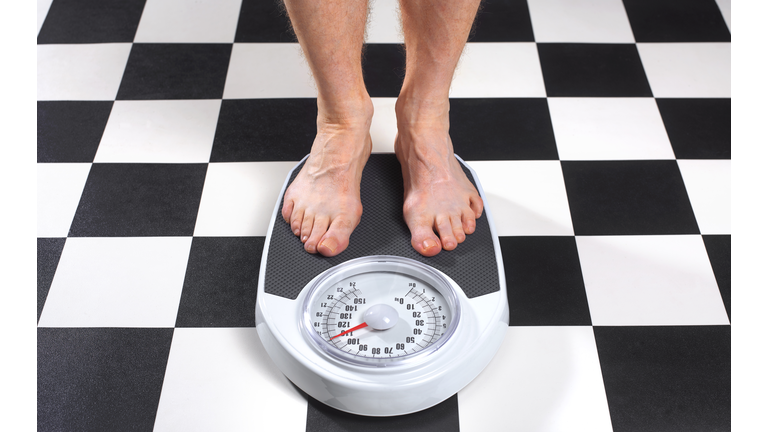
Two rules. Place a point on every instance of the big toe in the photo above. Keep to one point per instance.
(336, 239)
(424, 240)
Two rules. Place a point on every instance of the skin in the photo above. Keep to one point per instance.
(322, 205)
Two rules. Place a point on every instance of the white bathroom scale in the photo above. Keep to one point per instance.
(380, 330)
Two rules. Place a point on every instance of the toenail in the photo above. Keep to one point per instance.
(330, 243)
(296, 232)
(304, 239)
(429, 244)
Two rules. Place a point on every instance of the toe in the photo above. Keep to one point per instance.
(306, 227)
(476, 204)
(297, 219)
(458, 229)
(319, 227)
(468, 222)
(336, 240)
(445, 230)
(287, 210)
(424, 240)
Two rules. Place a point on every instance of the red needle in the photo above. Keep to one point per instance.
(363, 325)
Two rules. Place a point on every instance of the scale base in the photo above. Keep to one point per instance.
(474, 269)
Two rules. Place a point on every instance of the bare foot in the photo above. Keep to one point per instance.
(441, 204)
(322, 205)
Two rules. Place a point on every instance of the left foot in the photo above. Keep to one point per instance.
(441, 204)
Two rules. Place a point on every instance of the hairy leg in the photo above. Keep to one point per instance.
(322, 205)
(441, 205)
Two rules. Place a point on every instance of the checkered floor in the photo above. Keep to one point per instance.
(600, 131)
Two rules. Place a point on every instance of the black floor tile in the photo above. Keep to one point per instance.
(48, 254)
(667, 378)
(70, 131)
(443, 417)
(593, 70)
(91, 21)
(383, 69)
(544, 282)
(133, 200)
(628, 198)
(698, 128)
(719, 251)
(502, 21)
(502, 129)
(175, 71)
(97, 379)
(677, 21)
(263, 21)
(221, 282)
(260, 130)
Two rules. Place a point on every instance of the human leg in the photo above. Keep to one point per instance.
(322, 205)
(438, 196)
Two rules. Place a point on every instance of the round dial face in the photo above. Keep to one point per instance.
(380, 311)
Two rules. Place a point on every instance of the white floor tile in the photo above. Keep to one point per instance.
(80, 72)
(268, 70)
(609, 128)
(708, 183)
(168, 131)
(200, 21)
(525, 197)
(585, 21)
(498, 70)
(59, 186)
(650, 280)
(384, 125)
(725, 9)
(687, 69)
(222, 379)
(238, 198)
(117, 282)
(384, 22)
(542, 379)
(42, 11)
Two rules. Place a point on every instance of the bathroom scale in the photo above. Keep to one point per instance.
(380, 330)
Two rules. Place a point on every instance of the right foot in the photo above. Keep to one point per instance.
(322, 205)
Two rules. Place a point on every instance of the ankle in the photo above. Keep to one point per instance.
(343, 137)
(353, 111)
(422, 113)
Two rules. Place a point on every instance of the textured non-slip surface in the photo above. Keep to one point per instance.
(600, 132)
(382, 231)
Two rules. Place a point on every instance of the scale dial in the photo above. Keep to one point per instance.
(380, 311)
